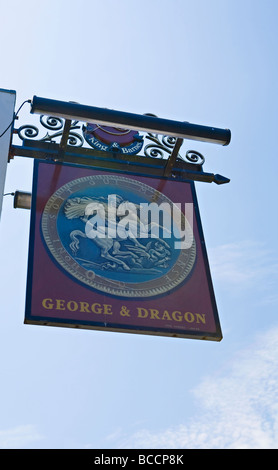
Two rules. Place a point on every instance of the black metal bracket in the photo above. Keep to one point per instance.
(173, 157)
(65, 141)
(148, 166)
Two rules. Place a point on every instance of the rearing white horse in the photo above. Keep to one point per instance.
(107, 232)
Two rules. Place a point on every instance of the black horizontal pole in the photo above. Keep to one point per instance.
(146, 166)
(147, 123)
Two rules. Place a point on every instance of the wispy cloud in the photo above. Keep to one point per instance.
(243, 261)
(236, 409)
(19, 437)
(244, 265)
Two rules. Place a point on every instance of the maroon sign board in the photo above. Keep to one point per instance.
(118, 252)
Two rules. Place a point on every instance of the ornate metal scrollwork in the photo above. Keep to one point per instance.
(163, 147)
(195, 157)
(27, 132)
(52, 123)
(159, 147)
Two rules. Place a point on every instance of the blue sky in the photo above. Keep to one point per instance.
(211, 63)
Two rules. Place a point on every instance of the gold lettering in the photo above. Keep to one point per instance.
(107, 309)
(60, 304)
(166, 316)
(189, 317)
(84, 307)
(124, 311)
(177, 315)
(96, 308)
(142, 312)
(47, 303)
(154, 314)
(72, 306)
(201, 317)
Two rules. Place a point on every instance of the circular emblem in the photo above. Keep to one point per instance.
(119, 236)
(113, 139)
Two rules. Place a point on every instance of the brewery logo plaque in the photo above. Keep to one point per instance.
(113, 139)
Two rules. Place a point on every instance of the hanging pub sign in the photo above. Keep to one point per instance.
(117, 252)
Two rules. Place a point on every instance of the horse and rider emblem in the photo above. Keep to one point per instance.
(94, 229)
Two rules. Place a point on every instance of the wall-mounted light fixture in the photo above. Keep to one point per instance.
(75, 111)
(22, 200)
